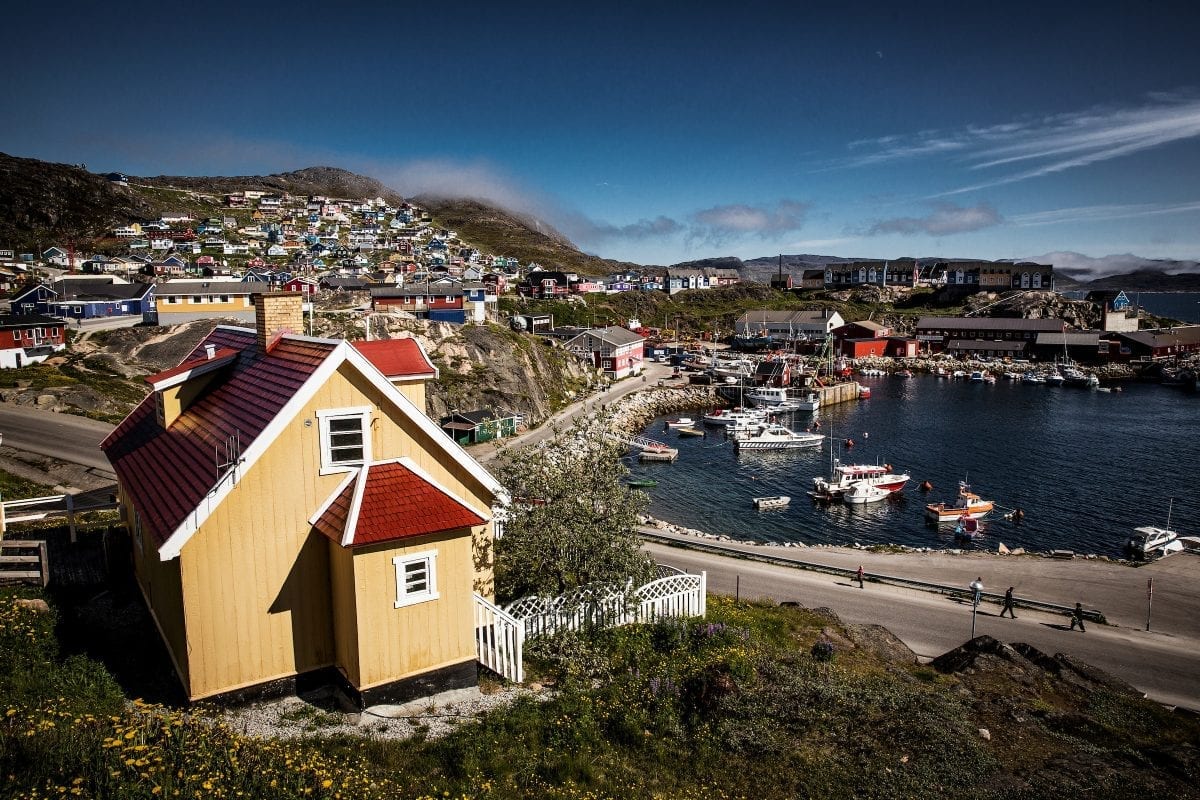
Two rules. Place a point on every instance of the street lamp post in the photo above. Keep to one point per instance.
(976, 589)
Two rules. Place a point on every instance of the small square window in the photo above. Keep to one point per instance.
(416, 578)
(345, 441)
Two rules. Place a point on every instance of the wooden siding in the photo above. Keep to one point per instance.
(161, 587)
(257, 581)
(345, 611)
(413, 639)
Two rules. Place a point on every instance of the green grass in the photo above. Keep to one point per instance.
(734, 705)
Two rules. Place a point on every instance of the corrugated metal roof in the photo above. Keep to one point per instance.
(989, 324)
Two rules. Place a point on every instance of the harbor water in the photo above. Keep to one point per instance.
(1086, 467)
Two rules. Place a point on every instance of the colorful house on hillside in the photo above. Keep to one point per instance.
(294, 515)
(618, 352)
(86, 298)
(29, 339)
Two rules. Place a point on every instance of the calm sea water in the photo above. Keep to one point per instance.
(1086, 467)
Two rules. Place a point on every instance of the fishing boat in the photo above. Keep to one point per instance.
(768, 395)
(774, 501)
(863, 492)
(1032, 377)
(1054, 378)
(976, 376)
(773, 436)
(810, 402)
(864, 393)
(846, 476)
(641, 483)
(969, 505)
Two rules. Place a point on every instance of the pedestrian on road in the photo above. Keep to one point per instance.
(860, 576)
(1077, 618)
(1008, 604)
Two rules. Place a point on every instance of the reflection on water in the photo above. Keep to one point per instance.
(1086, 467)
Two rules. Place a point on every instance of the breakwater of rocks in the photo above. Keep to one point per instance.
(634, 411)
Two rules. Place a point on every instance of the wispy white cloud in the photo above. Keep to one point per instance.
(945, 219)
(1101, 213)
(1113, 264)
(1045, 146)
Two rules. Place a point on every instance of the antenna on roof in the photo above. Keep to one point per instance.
(232, 455)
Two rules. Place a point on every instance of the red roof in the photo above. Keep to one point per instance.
(171, 471)
(398, 502)
(396, 358)
(192, 363)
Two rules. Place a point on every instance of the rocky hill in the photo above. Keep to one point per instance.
(479, 366)
(327, 181)
(44, 204)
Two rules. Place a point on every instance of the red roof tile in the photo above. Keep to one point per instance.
(396, 358)
(171, 471)
(397, 502)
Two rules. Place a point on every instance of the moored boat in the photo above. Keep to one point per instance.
(689, 431)
(774, 501)
(681, 422)
(863, 492)
(772, 436)
(846, 476)
(640, 483)
(969, 505)
(1151, 542)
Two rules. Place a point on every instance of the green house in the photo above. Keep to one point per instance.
(472, 427)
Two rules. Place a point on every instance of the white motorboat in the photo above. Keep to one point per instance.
(1151, 542)
(772, 436)
(863, 492)
(1032, 377)
(681, 422)
(723, 416)
(977, 376)
(1054, 379)
(774, 501)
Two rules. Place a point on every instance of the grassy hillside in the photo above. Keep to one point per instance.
(754, 701)
(493, 230)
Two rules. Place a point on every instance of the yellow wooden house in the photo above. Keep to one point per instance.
(294, 513)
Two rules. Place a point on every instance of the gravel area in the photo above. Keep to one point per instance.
(431, 717)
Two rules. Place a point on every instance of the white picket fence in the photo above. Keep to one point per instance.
(500, 633)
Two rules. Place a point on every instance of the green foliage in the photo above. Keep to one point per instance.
(572, 519)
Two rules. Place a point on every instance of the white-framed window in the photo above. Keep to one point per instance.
(345, 438)
(416, 578)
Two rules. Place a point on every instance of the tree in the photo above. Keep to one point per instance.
(572, 520)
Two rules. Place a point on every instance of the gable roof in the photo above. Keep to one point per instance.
(390, 500)
(172, 471)
(397, 358)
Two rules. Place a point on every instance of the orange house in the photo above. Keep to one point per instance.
(294, 514)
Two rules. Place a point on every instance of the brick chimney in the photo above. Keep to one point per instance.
(276, 313)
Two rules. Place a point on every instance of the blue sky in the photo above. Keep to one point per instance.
(660, 132)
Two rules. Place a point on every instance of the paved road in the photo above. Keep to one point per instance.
(1163, 663)
(62, 436)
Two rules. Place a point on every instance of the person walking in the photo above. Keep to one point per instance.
(1008, 604)
(1077, 618)
(859, 574)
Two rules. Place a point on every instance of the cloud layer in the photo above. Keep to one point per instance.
(944, 220)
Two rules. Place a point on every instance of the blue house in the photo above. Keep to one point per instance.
(86, 298)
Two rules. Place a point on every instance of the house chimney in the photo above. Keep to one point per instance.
(277, 313)
(210, 351)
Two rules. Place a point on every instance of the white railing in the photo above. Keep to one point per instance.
(500, 633)
(677, 595)
(499, 640)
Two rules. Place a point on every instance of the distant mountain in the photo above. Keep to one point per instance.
(1122, 271)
